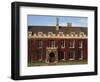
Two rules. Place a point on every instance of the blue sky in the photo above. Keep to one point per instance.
(51, 20)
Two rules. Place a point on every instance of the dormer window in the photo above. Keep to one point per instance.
(40, 33)
(61, 33)
(81, 34)
(29, 33)
(72, 33)
(50, 33)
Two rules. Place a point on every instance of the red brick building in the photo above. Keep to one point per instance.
(57, 43)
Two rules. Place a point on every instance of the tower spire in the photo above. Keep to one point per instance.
(57, 24)
(57, 21)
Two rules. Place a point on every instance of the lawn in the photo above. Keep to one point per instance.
(69, 62)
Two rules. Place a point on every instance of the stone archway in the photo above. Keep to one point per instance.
(51, 57)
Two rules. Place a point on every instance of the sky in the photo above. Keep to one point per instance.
(41, 20)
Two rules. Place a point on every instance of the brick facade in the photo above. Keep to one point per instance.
(80, 53)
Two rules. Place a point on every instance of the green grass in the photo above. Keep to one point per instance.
(37, 63)
(69, 62)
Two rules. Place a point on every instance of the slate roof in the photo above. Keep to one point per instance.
(64, 29)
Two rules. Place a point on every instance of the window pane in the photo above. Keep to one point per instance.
(40, 43)
(51, 43)
(71, 54)
(62, 43)
(79, 43)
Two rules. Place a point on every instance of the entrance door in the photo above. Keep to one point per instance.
(51, 57)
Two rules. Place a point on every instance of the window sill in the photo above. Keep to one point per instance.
(62, 47)
(80, 58)
(71, 47)
(39, 47)
(71, 59)
(79, 47)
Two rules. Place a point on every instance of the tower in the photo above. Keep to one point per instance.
(69, 27)
(57, 24)
(69, 24)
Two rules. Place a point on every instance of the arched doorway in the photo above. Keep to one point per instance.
(51, 57)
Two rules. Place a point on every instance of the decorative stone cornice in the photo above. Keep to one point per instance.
(59, 35)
